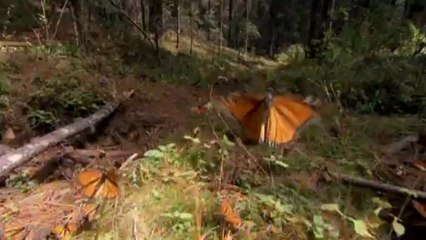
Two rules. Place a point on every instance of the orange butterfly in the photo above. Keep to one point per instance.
(229, 214)
(14, 231)
(96, 183)
(65, 231)
(89, 211)
(264, 118)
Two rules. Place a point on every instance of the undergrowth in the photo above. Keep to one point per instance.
(165, 191)
(57, 100)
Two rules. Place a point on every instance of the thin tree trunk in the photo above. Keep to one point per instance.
(156, 23)
(230, 24)
(330, 23)
(143, 16)
(220, 26)
(209, 9)
(272, 22)
(325, 18)
(313, 27)
(176, 13)
(272, 43)
(247, 25)
(76, 10)
(191, 23)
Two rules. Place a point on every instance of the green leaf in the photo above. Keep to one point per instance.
(361, 228)
(153, 153)
(318, 227)
(381, 203)
(185, 216)
(171, 145)
(194, 140)
(227, 142)
(332, 207)
(281, 164)
(398, 227)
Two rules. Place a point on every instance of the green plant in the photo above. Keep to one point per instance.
(60, 99)
(40, 119)
(166, 153)
(21, 181)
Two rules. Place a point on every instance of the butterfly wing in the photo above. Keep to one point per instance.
(252, 123)
(109, 188)
(90, 182)
(240, 104)
(229, 214)
(296, 111)
(248, 110)
(286, 116)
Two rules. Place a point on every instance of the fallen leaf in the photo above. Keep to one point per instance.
(361, 228)
(330, 207)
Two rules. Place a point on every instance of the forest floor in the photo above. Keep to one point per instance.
(171, 191)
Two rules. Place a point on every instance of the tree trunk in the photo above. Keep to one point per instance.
(209, 9)
(143, 16)
(331, 13)
(155, 16)
(191, 23)
(273, 29)
(220, 26)
(246, 40)
(176, 14)
(313, 28)
(272, 42)
(156, 23)
(230, 24)
(325, 19)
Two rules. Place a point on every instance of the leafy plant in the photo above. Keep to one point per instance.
(21, 181)
(40, 119)
(167, 153)
(58, 100)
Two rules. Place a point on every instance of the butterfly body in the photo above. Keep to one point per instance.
(274, 120)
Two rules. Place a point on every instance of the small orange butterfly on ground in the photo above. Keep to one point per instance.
(65, 231)
(229, 214)
(89, 211)
(14, 231)
(95, 183)
(274, 120)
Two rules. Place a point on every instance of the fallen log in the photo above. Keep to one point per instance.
(377, 185)
(22, 155)
(4, 149)
(15, 44)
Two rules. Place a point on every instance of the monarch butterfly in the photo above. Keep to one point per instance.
(274, 120)
(14, 231)
(65, 231)
(96, 183)
(89, 211)
(229, 214)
